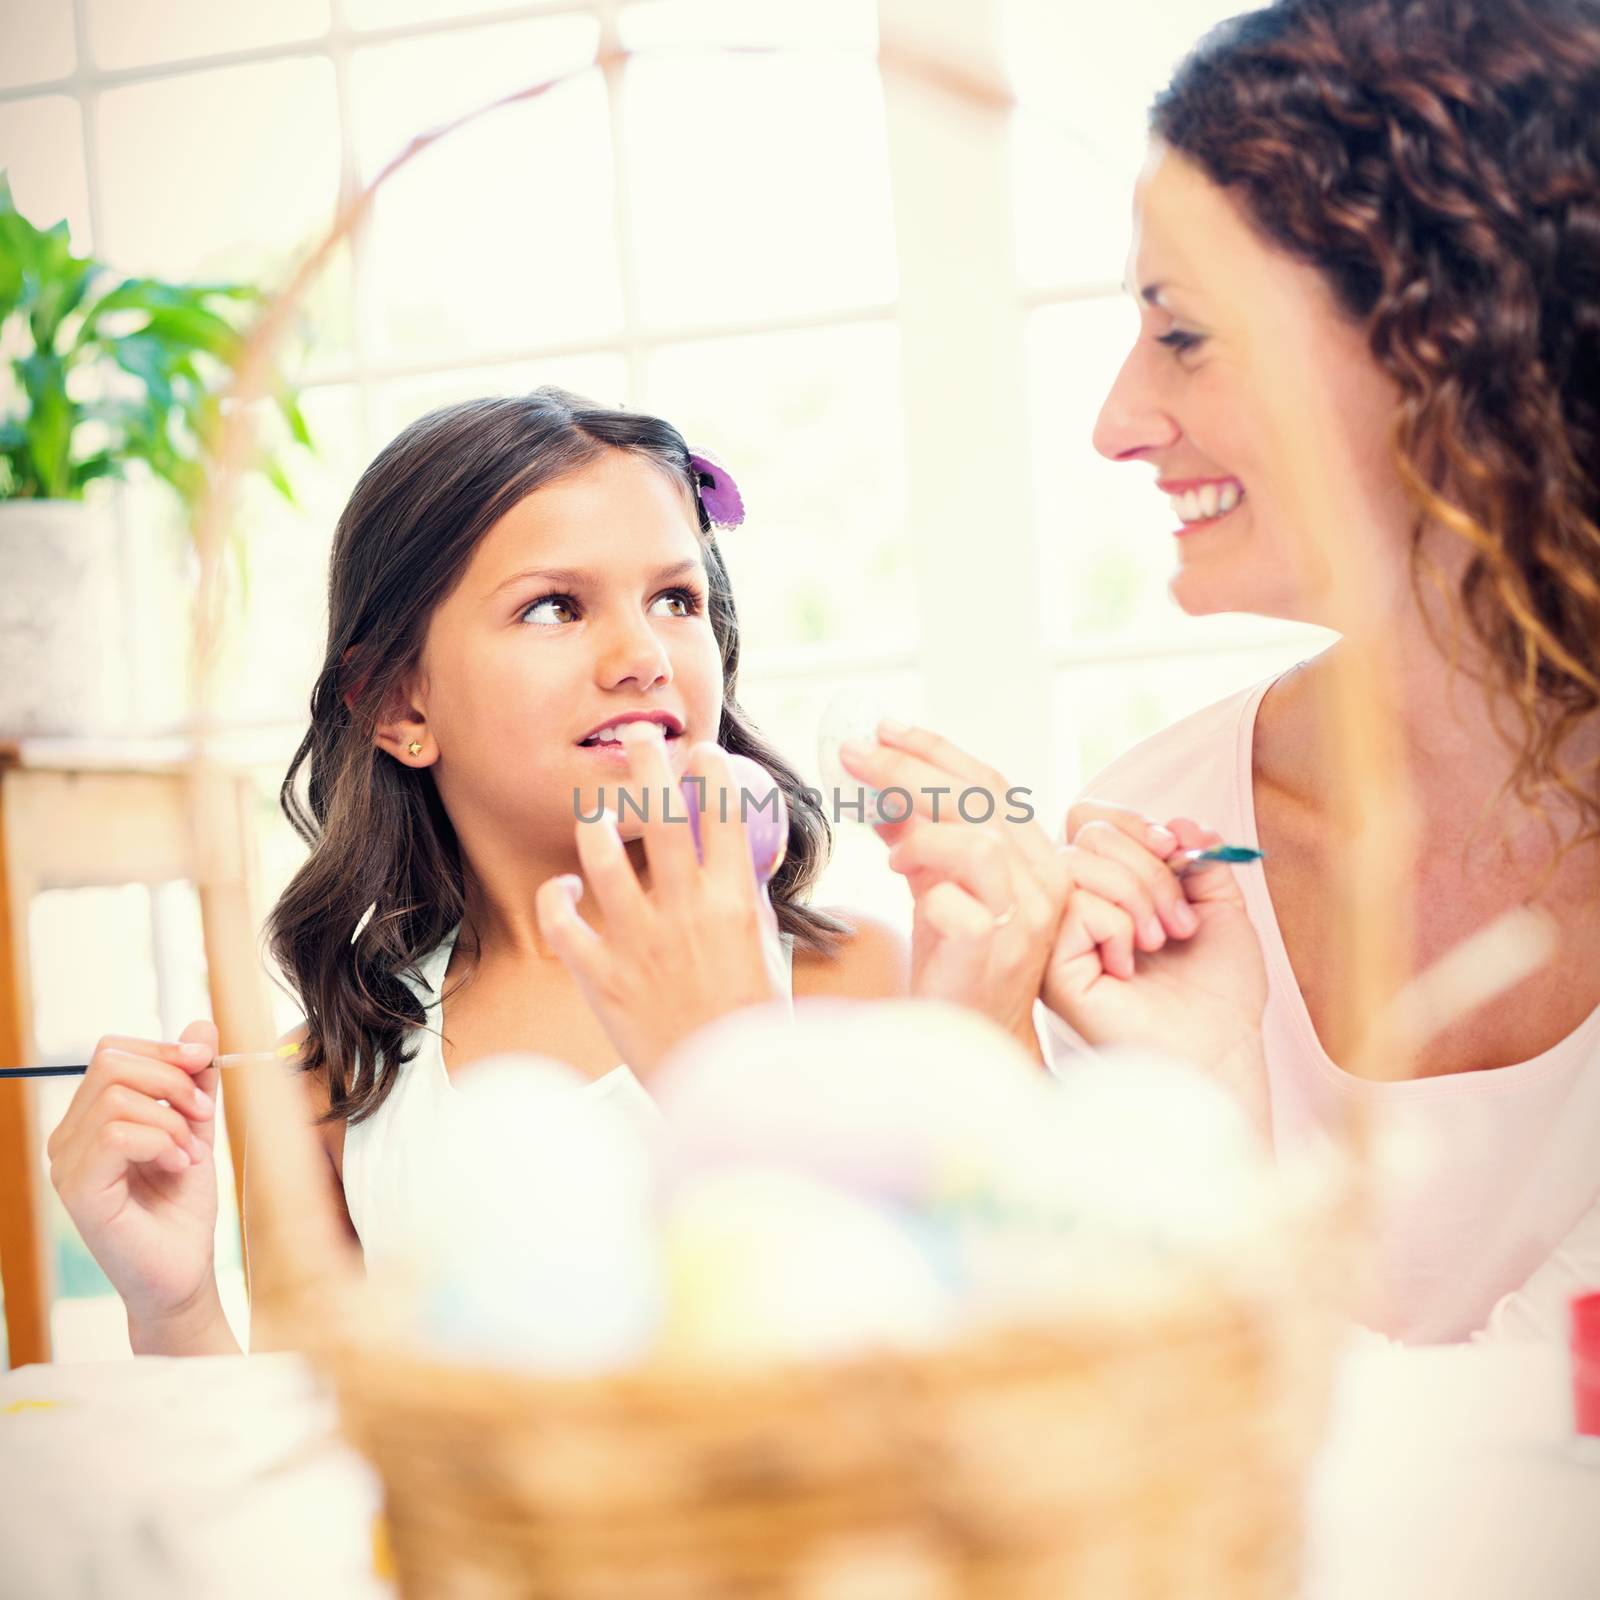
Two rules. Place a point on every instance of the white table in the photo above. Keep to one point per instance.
(1450, 1473)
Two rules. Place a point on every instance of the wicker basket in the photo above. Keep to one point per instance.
(1151, 1449)
(1161, 1454)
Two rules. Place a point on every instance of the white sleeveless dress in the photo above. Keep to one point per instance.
(387, 1156)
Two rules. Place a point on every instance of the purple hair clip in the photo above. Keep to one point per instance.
(719, 494)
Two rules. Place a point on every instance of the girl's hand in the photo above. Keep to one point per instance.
(689, 949)
(133, 1162)
(989, 893)
(1144, 957)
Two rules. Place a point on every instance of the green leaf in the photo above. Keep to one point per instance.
(146, 360)
(19, 257)
(49, 423)
(273, 471)
(150, 295)
(64, 279)
(194, 328)
(299, 431)
(102, 464)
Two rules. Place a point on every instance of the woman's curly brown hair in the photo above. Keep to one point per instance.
(1439, 162)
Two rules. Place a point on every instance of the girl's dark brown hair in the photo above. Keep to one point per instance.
(378, 833)
(1439, 162)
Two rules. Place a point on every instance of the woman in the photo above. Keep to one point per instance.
(1416, 185)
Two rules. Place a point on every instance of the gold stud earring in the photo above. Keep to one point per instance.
(414, 748)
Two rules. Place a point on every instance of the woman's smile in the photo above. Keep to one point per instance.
(1201, 503)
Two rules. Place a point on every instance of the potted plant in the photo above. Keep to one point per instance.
(114, 377)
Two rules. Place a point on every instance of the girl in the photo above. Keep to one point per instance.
(512, 581)
(1416, 181)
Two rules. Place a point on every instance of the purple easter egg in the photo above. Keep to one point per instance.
(766, 816)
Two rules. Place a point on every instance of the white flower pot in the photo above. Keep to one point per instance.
(61, 634)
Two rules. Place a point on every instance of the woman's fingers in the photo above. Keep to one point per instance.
(1168, 902)
(921, 776)
(1139, 828)
(1215, 883)
(958, 962)
(966, 856)
(1092, 920)
(939, 753)
(908, 783)
(1112, 881)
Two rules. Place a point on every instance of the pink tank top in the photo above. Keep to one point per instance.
(1491, 1217)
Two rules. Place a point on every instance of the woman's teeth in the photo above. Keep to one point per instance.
(1210, 500)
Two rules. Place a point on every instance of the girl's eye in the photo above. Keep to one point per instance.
(683, 602)
(1179, 340)
(556, 609)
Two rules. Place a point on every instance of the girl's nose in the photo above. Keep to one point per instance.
(633, 653)
(1132, 421)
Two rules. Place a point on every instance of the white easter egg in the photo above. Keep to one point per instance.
(1150, 1149)
(772, 1265)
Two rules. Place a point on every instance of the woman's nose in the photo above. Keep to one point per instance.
(1132, 421)
(633, 652)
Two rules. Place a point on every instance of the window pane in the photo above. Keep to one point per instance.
(502, 237)
(601, 378)
(745, 202)
(810, 424)
(831, 24)
(404, 13)
(1073, 207)
(135, 33)
(43, 50)
(274, 642)
(1104, 530)
(247, 200)
(41, 153)
(1080, 138)
(1103, 710)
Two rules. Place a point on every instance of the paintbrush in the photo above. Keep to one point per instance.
(1234, 855)
(242, 1058)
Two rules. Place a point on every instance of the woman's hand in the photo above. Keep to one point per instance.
(692, 947)
(1144, 957)
(133, 1162)
(989, 892)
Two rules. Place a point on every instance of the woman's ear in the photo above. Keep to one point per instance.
(402, 727)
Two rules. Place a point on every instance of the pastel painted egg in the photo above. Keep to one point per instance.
(769, 1265)
(762, 806)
